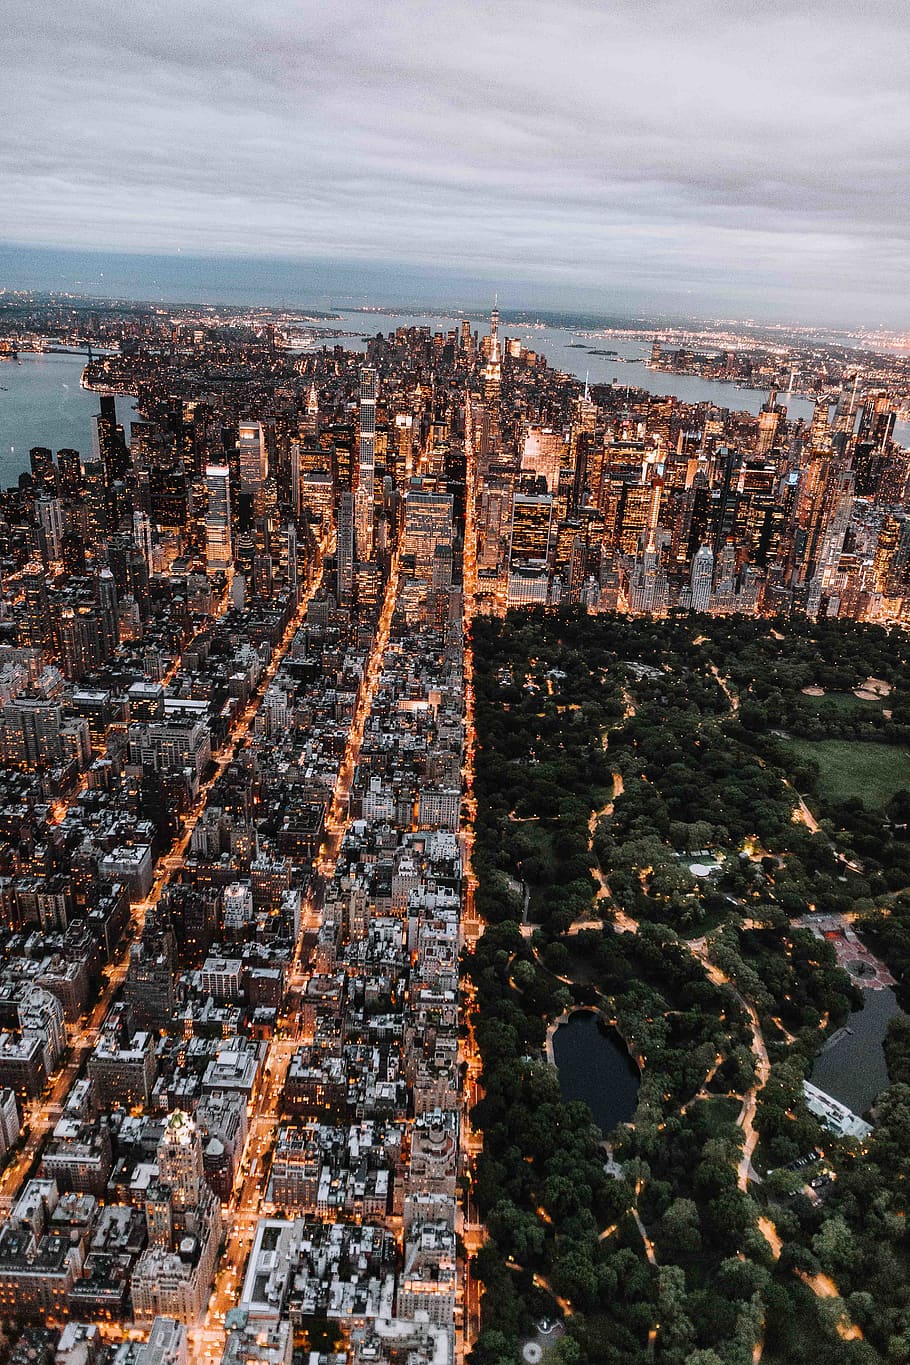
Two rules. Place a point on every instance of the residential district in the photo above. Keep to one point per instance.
(236, 737)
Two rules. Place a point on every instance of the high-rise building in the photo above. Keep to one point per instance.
(819, 428)
(96, 497)
(317, 496)
(702, 578)
(38, 624)
(171, 745)
(648, 583)
(846, 411)
(180, 1160)
(218, 518)
(310, 424)
(107, 602)
(253, 457)
(262, 576)
(70, 467)
(296, 475)
(427, 524)
(545, 454)
(44, 471)
(892, 556)
(9, 1120)
(30, 733)
(492, 380)
(634, 515)
(103, 435)
(52, 524)
(532, 518)
(837, 507)
(345, 546)
(365, 487)
(108, 446)
(289, 557)
(142, 535)
(173, 1275)
(79, 640)
(149, 988)
(769, 420)
(878, 418)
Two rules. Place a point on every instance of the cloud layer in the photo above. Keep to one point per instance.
(742, 153)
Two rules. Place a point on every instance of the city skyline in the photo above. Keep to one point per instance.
(747, 163)
(455, 764)
(368, 717)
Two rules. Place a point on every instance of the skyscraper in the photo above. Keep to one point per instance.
(310, 424)
(846, 410)
(70, 472)
(427, 524)
(345, 546)
(52, 524)
(702, 577)
(96, 497)
(44, 471)
(289, 557)
(531, 522)
(38, 622)
(218, 518)
(108, 446)
(253, 460)
(296, 473)
(769, 420)
(142, 535)
(545, 453)
(365, 486)
(107, 602)
(492, 382)
(180, 1160)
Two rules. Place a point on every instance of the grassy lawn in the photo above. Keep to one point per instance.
(712, 920)
(872, 772)
(839, 701)
(719, 1115)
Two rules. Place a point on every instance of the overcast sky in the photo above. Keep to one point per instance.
(748, 156)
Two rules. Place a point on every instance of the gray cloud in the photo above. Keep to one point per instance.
(756, 149)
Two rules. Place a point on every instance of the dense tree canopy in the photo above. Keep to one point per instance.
(635, 809)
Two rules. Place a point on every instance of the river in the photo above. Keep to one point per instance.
(570, 351)
(567, 350)
(594, 1066)
(42, 403)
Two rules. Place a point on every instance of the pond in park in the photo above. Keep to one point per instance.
(594, 1066)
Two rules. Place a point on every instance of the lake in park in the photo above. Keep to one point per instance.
(851, 1066)
(594, 1066)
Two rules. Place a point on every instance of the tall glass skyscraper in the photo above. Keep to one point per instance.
(365, 486)
(218, 550)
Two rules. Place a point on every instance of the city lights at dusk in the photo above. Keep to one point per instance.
(454, 684)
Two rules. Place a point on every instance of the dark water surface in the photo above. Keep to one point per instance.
(852, 1069)
(594, 1066)
(42, 403)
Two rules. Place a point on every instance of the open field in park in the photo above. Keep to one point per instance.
(872, 772)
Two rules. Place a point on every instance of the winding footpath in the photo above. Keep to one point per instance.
(746, 1120)
(622, 921)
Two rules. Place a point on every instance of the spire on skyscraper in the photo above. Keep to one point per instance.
(495, 353)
